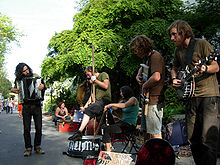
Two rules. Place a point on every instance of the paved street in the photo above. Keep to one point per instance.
(54, 144)
(12, 143)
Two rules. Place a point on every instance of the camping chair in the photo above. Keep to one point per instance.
(131, 140)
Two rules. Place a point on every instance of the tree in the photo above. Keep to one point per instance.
(109, 25)
(204, 17)
(8, 34)
(5, 86)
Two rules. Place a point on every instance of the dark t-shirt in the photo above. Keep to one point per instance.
(157, 65)
(206, 84)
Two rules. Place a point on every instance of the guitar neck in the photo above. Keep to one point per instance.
(189, 76)
(196, 69)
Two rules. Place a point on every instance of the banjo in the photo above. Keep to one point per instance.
(187, 78)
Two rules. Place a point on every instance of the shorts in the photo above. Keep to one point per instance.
(96, 109)
(154, 119)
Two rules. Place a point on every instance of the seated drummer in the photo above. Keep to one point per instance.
(102, 98)
(61, 113)
(130, 107)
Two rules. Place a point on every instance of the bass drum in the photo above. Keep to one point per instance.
(156, 152)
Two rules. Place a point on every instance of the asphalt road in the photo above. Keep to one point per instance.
(53, 143)
(12, 143)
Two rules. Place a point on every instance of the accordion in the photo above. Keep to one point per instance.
(29, 89)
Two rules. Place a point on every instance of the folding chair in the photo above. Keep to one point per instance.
(131, 140)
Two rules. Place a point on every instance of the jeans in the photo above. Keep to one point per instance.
(202, 129)
(29, 111)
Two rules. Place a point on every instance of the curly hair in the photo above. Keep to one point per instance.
(127, 92)
(19, 71)
(141, 44)
(182, 27)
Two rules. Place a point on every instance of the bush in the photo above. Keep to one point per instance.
(173, 105)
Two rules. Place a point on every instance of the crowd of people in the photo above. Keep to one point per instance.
(95, 96)
(8, 105)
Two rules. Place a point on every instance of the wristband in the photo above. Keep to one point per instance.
(206, 68)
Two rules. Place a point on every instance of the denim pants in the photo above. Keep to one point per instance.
(27, 112)
(202, 129)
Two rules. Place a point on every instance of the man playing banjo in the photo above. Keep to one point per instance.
(201, 109)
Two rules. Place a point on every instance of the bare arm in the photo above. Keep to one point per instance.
(139, 76)
(132, 101)
(152, 81)
(66, 112)
(103, 84)
(15, 90)
(176, 82)
(212, 68)
(87, 104)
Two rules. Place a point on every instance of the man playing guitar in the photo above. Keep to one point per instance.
(142, 46)
(201, 109)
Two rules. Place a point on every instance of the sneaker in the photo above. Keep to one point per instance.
(77, 135)
(112, 149)
(27, 153)
(38, 150)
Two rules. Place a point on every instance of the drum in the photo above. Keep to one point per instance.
(29, 89)
(156, 152)
(86, 148)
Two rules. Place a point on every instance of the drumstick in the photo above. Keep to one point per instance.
(96, 132)
(93, 84)
(93, 71)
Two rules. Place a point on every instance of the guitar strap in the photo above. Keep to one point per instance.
(147, 61)
(189, 52)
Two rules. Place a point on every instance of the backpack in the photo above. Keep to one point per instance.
(176, 133)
